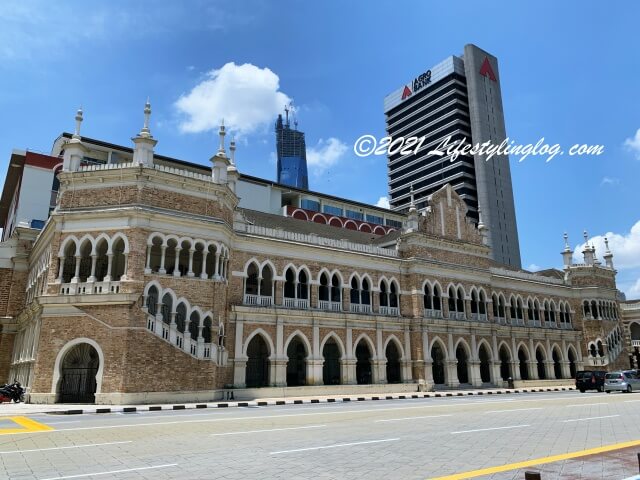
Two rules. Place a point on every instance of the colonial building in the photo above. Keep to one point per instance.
(151, 282)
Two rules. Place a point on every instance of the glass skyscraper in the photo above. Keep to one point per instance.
(292, 155)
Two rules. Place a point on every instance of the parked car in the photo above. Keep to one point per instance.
(622, 381)
(590, 380)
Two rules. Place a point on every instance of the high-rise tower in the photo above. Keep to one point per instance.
(459, 97)
(292, 154)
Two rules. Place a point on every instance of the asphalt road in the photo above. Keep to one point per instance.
(396, 439)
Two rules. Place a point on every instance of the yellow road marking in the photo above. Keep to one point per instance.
(26, 424)
(539, 461)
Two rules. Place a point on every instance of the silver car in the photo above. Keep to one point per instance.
(622, 381)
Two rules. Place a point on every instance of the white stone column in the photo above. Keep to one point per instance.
(107, 277)
(60, 269)
(216, 274)
(147, 268)
(452, 373)
(203, 273)
(176, 270)
(77, 272)
(163, 251)
(92, 277)
(190, 271)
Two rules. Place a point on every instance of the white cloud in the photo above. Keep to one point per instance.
(633, 291)
(625, 248)
(383, 202)
(610, 181)
(325, 154)
(245, 96)
(633, 144)
(533, 267)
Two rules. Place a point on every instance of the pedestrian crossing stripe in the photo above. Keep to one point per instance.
(23, 425)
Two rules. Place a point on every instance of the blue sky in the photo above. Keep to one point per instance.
(569, 73)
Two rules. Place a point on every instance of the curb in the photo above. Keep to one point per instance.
(265, 403)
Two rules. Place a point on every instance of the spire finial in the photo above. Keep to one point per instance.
(566, 241)
(78, 123)
(413, 203)
(232, 149)
(586, 238)
(606, 244)
(222, 133)
(147, 113)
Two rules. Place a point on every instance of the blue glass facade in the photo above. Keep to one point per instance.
(292, 155)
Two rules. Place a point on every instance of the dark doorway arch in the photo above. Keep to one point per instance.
(485, 364)
(331, 367)
(363, 363)
(522, 362)
(505, 363)
(572, 363)
(393, 363)
(540, 363)
(257, 363)
(297, 363)
(437, 365)
(557, 368)
(78, 374)
(462, 364)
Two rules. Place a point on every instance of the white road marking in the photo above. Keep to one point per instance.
(268, 430)
(113, 471)
(631, 401)
(337, 445)
(586, 404)
(412, 418)
(487, 429)
(588, 418)
(514, 410)
(63, 448)
(60, 423)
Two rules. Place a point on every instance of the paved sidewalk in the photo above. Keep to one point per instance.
(68, 409)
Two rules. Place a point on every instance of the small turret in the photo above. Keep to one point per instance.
(587, 252)
(412, 217)
(567, 253)
(144, 141)
(232, 171)
(219, 161)
(74, 150)
(608, 256)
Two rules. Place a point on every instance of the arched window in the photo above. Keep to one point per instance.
(586, 310)
(194, 324)
(384, 299)
(155, 255)
(85, 261)
(69, 266)
(290, 284)
(355, 292)
(427, 300)
(102, 262)
(452, 299)
(118, 261)
(496, 305)
(393, 295)
(474, 302)
(437, 298)
(335, 289)
(152, 300)
(303, 285)
(167, 308)
(365, 294)
(251, 282)
(323, 293)
(206, 330)
(181, 316)
(266, 283)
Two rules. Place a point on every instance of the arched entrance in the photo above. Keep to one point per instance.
(572, 363)
(393, 363)
(505, 363)
(462, 366)
(485, 364)
(557, 368)
(297, 364)
(437, 364)
(331, 367)
(363, 363)
(540, 363)
(522, 363)
(257, 363)
(78, 374)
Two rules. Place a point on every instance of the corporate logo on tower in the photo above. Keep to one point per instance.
(486, 70)
(417, 84)
(406, 92)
